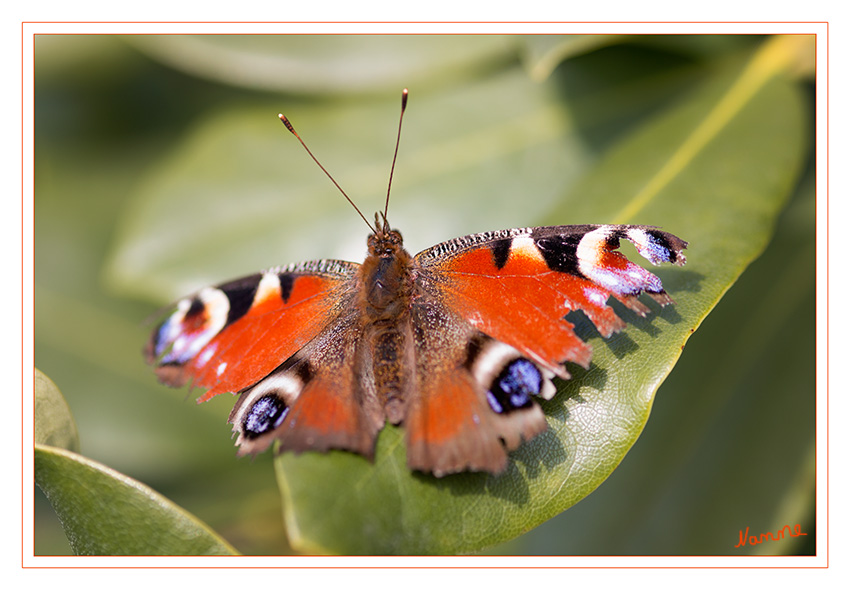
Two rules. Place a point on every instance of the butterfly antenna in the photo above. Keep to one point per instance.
(395, 154)
(289, 126)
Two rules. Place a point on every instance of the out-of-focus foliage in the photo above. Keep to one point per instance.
(160, 168)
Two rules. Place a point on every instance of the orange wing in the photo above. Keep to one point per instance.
(316, 400)
(517, 285)
(459, 418)
(229, 337)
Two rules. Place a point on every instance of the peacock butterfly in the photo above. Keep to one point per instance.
(453, 343)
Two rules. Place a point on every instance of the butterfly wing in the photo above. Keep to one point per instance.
(517, 285)
(317, 400)
(498, 300)
(229, 337)
(481, 331)
(457, 418)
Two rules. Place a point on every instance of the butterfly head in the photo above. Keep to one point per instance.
(385, 241)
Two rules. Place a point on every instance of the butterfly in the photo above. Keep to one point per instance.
(454, 343)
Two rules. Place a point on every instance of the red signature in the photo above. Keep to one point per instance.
(744, 536)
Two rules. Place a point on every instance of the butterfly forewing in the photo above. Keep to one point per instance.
(517, 285)
(228, 337)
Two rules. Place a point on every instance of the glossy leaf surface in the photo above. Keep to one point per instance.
(107, 513)
(689, 171)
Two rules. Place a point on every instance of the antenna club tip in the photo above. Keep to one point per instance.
(286, 122)
(403, 99)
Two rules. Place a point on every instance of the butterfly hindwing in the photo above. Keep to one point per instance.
(471, 403)
(316, 400)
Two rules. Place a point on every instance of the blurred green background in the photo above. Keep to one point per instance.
(160, 167)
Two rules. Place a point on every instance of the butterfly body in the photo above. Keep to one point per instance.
(454, 343)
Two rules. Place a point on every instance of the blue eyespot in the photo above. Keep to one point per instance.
(512, 389)
(266, 414)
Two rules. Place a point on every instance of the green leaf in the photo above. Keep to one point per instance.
(105, 512)
(324, 64)
(715, 170)
(264, 203)
(730, 442)
(543, 53)
(54, 423)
